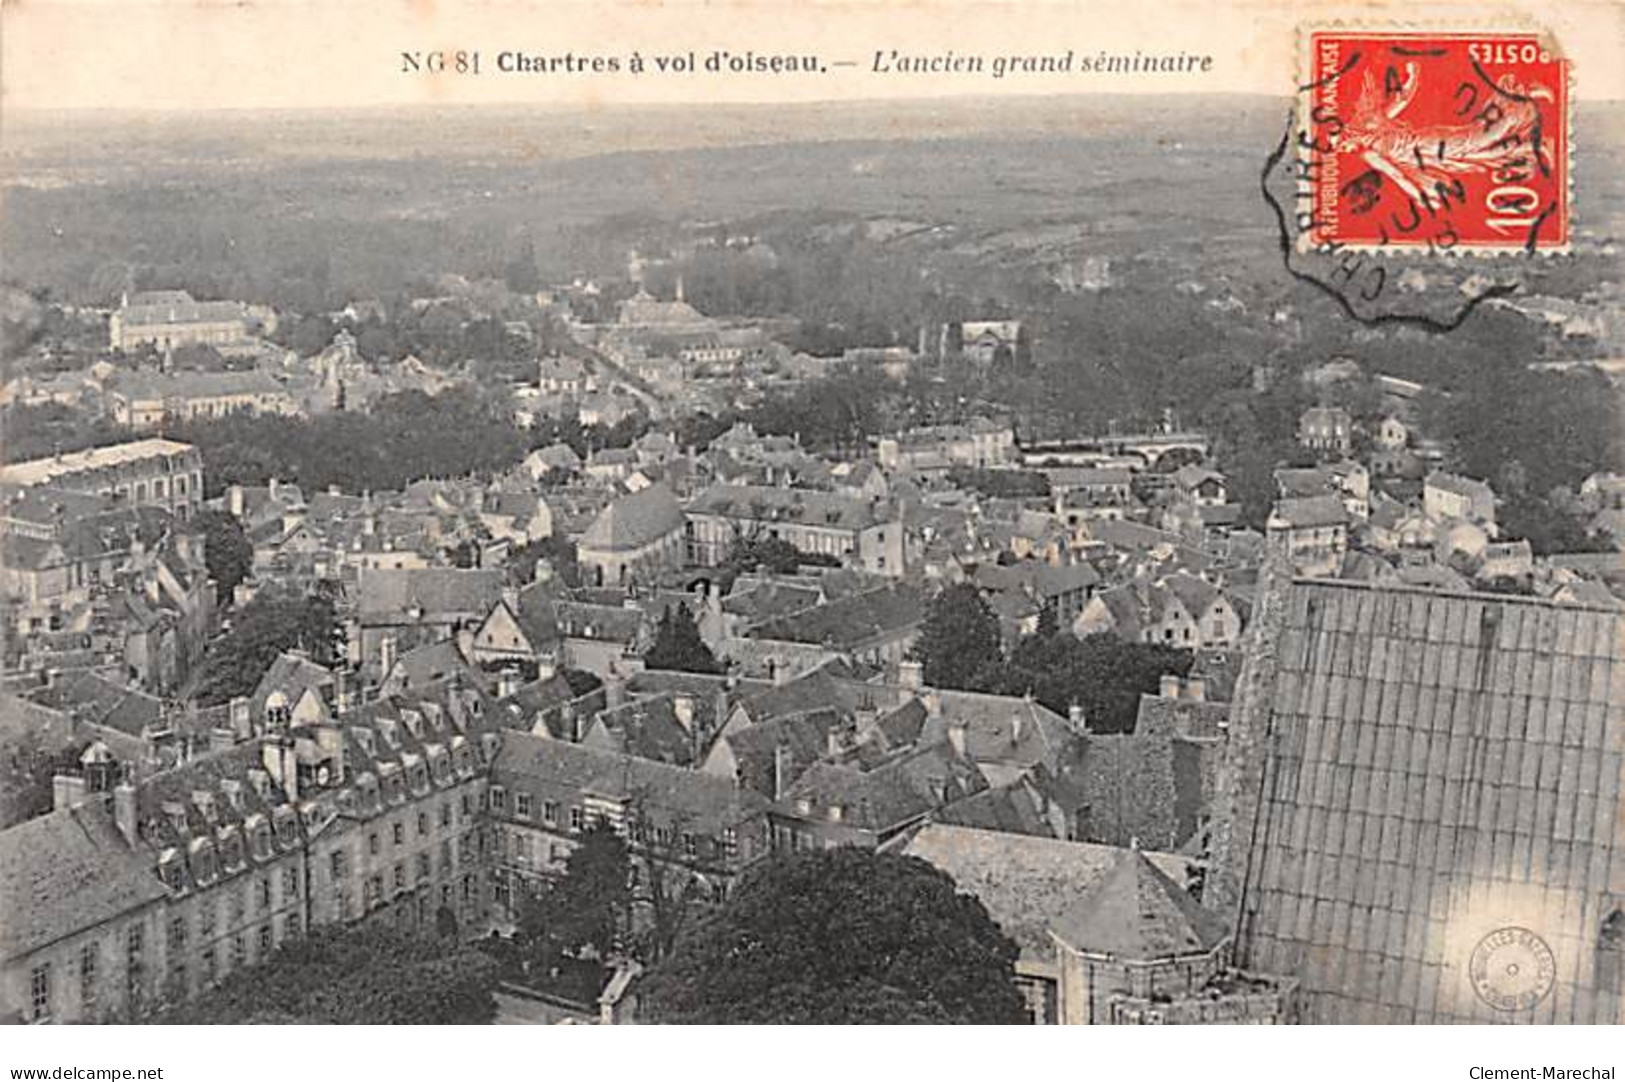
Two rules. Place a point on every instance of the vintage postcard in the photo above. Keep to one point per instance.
(960, 512)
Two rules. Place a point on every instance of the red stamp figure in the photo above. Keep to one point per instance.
(1436, 141)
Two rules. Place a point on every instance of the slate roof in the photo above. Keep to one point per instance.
(64, 872)
(888, 797)
(852, 621)
(388, 596)
(1309, 512)
(805, 506)
(635, 521)
(705, 803)
(1444, 765)
(43, 470)
(804, 738)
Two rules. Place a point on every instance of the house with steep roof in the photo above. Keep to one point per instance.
(1447, 496)
(1107, 935)
(842, 803)
(1326, 428)
(1313, 530)
(634, 539)
(1175, 610)
(685, 828)
(397, 610)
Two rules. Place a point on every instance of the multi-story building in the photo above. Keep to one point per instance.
(866, 535)
(156, 472)
(168, 319)
(131, 895)
(634, 539)
(690, 830)
(142, 400)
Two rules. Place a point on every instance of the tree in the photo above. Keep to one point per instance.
(370, 974)
(226, 550)
(840, 936)
(678, 644)
(1102, 674)
(960, 645)
(588, 906)
(274, 622)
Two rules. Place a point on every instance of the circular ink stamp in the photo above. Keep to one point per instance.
(1512, 969)
(1408, 153)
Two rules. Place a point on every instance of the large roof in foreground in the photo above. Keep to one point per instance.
(1443, 796)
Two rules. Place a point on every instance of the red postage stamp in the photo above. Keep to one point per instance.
(1436, 141)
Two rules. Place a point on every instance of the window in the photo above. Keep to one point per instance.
(730, 840)
(239, 951)
(339, 865)
(205, 918)
(211, 966)
(423, 867)
(39, 992)
(690, 846)
(90, 956)
(265, 893)
(522, 805)
(445, 814)
(423, 824)
(375, 890)
(550, 812)
(467, 806)
(177, 936)
(290, 884)
(266, 942)
(400, 833)
(577, 819)
(400, 875)
(372, 843)
(499, 799)
(445, 857)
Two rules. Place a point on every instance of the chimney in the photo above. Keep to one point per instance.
(779, 671)
(67, 791)
(330, 742)
(283, 765)
(510, 598)
(910, 674)
(1170, 686)
(386, 656)
(546, 667)
(1075, 718)
(234, 500)
(1196, 689)
(781, 766)
(1015, 728)
(832, 742)
(543, 572)
(956, 736)
(341, 692)
(682, 705)
(242, 721)
(507, 682)
(933, 704)
(124, 810)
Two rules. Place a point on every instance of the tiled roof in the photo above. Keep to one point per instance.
(887, 797)
(164, 385)
(66, 871)
(1136, 912)
(1308, 512)
(1443, 766)
(1029, 884)
(804, 739)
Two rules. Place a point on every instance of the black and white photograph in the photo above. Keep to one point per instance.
(966, 513)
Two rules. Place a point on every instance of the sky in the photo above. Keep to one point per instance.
(293, 54)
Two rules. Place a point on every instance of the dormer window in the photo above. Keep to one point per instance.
(205, 866)
(285, 830)
(169, 871)
(231, 850)
(262, 841)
